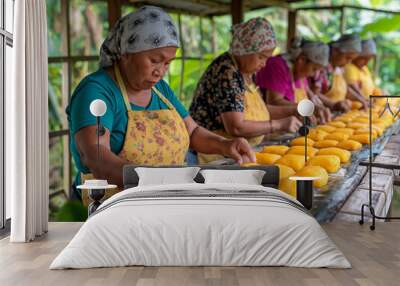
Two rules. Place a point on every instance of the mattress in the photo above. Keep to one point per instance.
(201, 225)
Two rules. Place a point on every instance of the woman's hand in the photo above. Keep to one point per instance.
(239, 150)
(207, 142)
(323, 114)
(341, 106)
(290, 124)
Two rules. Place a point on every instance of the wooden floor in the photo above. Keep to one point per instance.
(375, 257)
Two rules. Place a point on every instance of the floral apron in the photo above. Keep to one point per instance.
(254, 110)
(153, 137)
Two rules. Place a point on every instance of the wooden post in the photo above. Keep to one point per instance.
(213, 37)
(237, 11)
(342, 20)
(65, 95)
(181, 94)
(114, 12)
(291, 32)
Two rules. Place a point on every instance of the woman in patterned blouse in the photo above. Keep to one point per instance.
(226, 100)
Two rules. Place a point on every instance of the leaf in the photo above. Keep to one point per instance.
(377, 3)
(382, 25)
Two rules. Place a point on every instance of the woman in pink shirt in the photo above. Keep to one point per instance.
(283, 80)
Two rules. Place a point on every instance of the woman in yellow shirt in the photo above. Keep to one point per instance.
(357, 74)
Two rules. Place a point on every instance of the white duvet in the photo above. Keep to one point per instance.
(206, 230)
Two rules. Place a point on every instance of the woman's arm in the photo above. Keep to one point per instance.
(208, 142)
(108, 165)
(352, 94)
(235, 125)
(281, 111)
(275, 98)
(338, 106)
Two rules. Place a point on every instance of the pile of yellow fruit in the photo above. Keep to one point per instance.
(328, 146)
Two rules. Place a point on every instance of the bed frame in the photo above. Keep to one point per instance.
(270, 179)
(372, 164)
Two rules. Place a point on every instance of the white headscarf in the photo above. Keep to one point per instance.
(316, 52)
(368, 48)
(348, 43)
(148, 28)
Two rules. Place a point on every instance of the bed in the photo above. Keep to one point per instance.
(197, 224)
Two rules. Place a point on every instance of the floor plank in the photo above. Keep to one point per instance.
(375, 257)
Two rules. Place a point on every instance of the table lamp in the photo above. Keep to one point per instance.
(98, 108)
(97, 188)
(304, 187)
(306, 109)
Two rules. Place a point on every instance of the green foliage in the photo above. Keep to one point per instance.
(71, 211)
(382, 25)
(89, 27)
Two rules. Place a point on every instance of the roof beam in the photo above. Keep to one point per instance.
(237, 11)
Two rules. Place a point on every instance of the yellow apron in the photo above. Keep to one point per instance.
(366, 82)
(254, 110)
(338, 89)
(300, 93)
(153, 137)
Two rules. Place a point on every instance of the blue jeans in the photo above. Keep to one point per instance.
(191, 158)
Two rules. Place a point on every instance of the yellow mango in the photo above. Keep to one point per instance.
(366, 131)
(345, 119)
(300, 141)
(337, 124)
(344, 155)
(315, 171)
(326, 143)
(355, 105)
(350, 145)
(348, 131)
(379, 129)
(285, 171)
(317, 135)
(296, 162)
(267, 159)
(361, 120)
(385, 120)
(326, 128)
(299, 150)
(381, 122)
(338, 136)
(357, 125)
(330, 163)
(362, 138)
(276, 149)
(288, 186)
(249, 164)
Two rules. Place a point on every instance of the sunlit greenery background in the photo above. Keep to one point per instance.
(89, 26)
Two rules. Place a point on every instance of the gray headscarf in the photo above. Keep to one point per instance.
(348, 43)
(316, 52)
(368, 48)
(148, 28)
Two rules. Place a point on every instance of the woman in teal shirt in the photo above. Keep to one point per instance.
(133, 60)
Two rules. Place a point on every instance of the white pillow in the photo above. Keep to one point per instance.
(248, 177)
(166, 176)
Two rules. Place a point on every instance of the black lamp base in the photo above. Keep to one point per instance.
(96, 195)
(304, 193)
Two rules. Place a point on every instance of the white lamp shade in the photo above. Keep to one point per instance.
(305, 107)
(98, 107)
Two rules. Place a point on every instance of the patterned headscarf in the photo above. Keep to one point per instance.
(147, 28)
(316, 52)
(252, 37)
(368, 48)
(348, 43)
